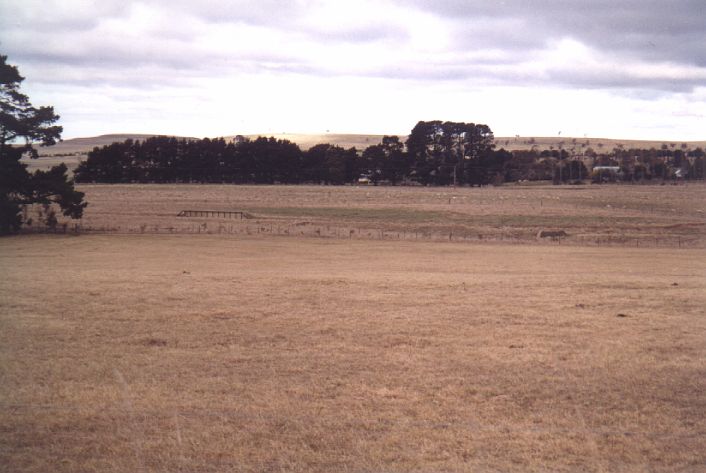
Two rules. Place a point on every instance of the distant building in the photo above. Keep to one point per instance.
(606, 173)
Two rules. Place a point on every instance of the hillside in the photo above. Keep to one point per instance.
(84, 145)
(344, 140)
(598, 144)
(72, 151)
(509, 143)
(305, 141)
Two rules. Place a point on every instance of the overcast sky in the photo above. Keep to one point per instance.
(598, 68)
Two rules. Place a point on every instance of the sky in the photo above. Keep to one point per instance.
(630, 69)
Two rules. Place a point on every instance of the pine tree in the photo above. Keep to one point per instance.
(22, 126)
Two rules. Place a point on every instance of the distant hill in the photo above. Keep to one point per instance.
(598, 144)
(509, 143)
(343, 140)
(72, 151)
(305, 141)
(84, 145)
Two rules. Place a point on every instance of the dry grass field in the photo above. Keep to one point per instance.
(599, 145)
(360, 329)
(624, 215)
(212, 353)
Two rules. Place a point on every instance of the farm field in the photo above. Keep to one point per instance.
(625, 215)
(229, 352)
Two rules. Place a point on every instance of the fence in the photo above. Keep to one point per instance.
(313, 230)
(212, 213)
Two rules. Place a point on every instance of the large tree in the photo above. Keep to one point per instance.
(448, 152)
(22, 126)
(386, 161)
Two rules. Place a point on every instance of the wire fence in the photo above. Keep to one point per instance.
(314, 230)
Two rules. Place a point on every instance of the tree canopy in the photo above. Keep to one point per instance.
(436, 153)
(22, 126)
(446, 153)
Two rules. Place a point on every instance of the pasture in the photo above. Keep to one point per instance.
(144, 349)
(637, 216)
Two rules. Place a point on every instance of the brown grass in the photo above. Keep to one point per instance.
(216, 353)
(609, 214)
(237, 352)
(599, 145)
(306, 141)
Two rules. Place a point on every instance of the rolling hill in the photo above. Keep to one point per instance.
(306, 141)
(73, 150)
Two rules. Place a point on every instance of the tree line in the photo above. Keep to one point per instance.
(438, 153)
(435, 153)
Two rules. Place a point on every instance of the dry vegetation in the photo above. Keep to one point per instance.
(210, 350)
(597, 144)
(305, 141)
(591, 215)
(219, 353)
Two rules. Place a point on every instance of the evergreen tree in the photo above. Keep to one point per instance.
(20, 121)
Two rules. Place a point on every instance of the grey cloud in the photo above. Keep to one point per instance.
(288, 16)
(363, 34)
(492, 73)
(127, 66)
(651, 29)
(261, 12)
(648, 30)
(57, 17)
(621, 80)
